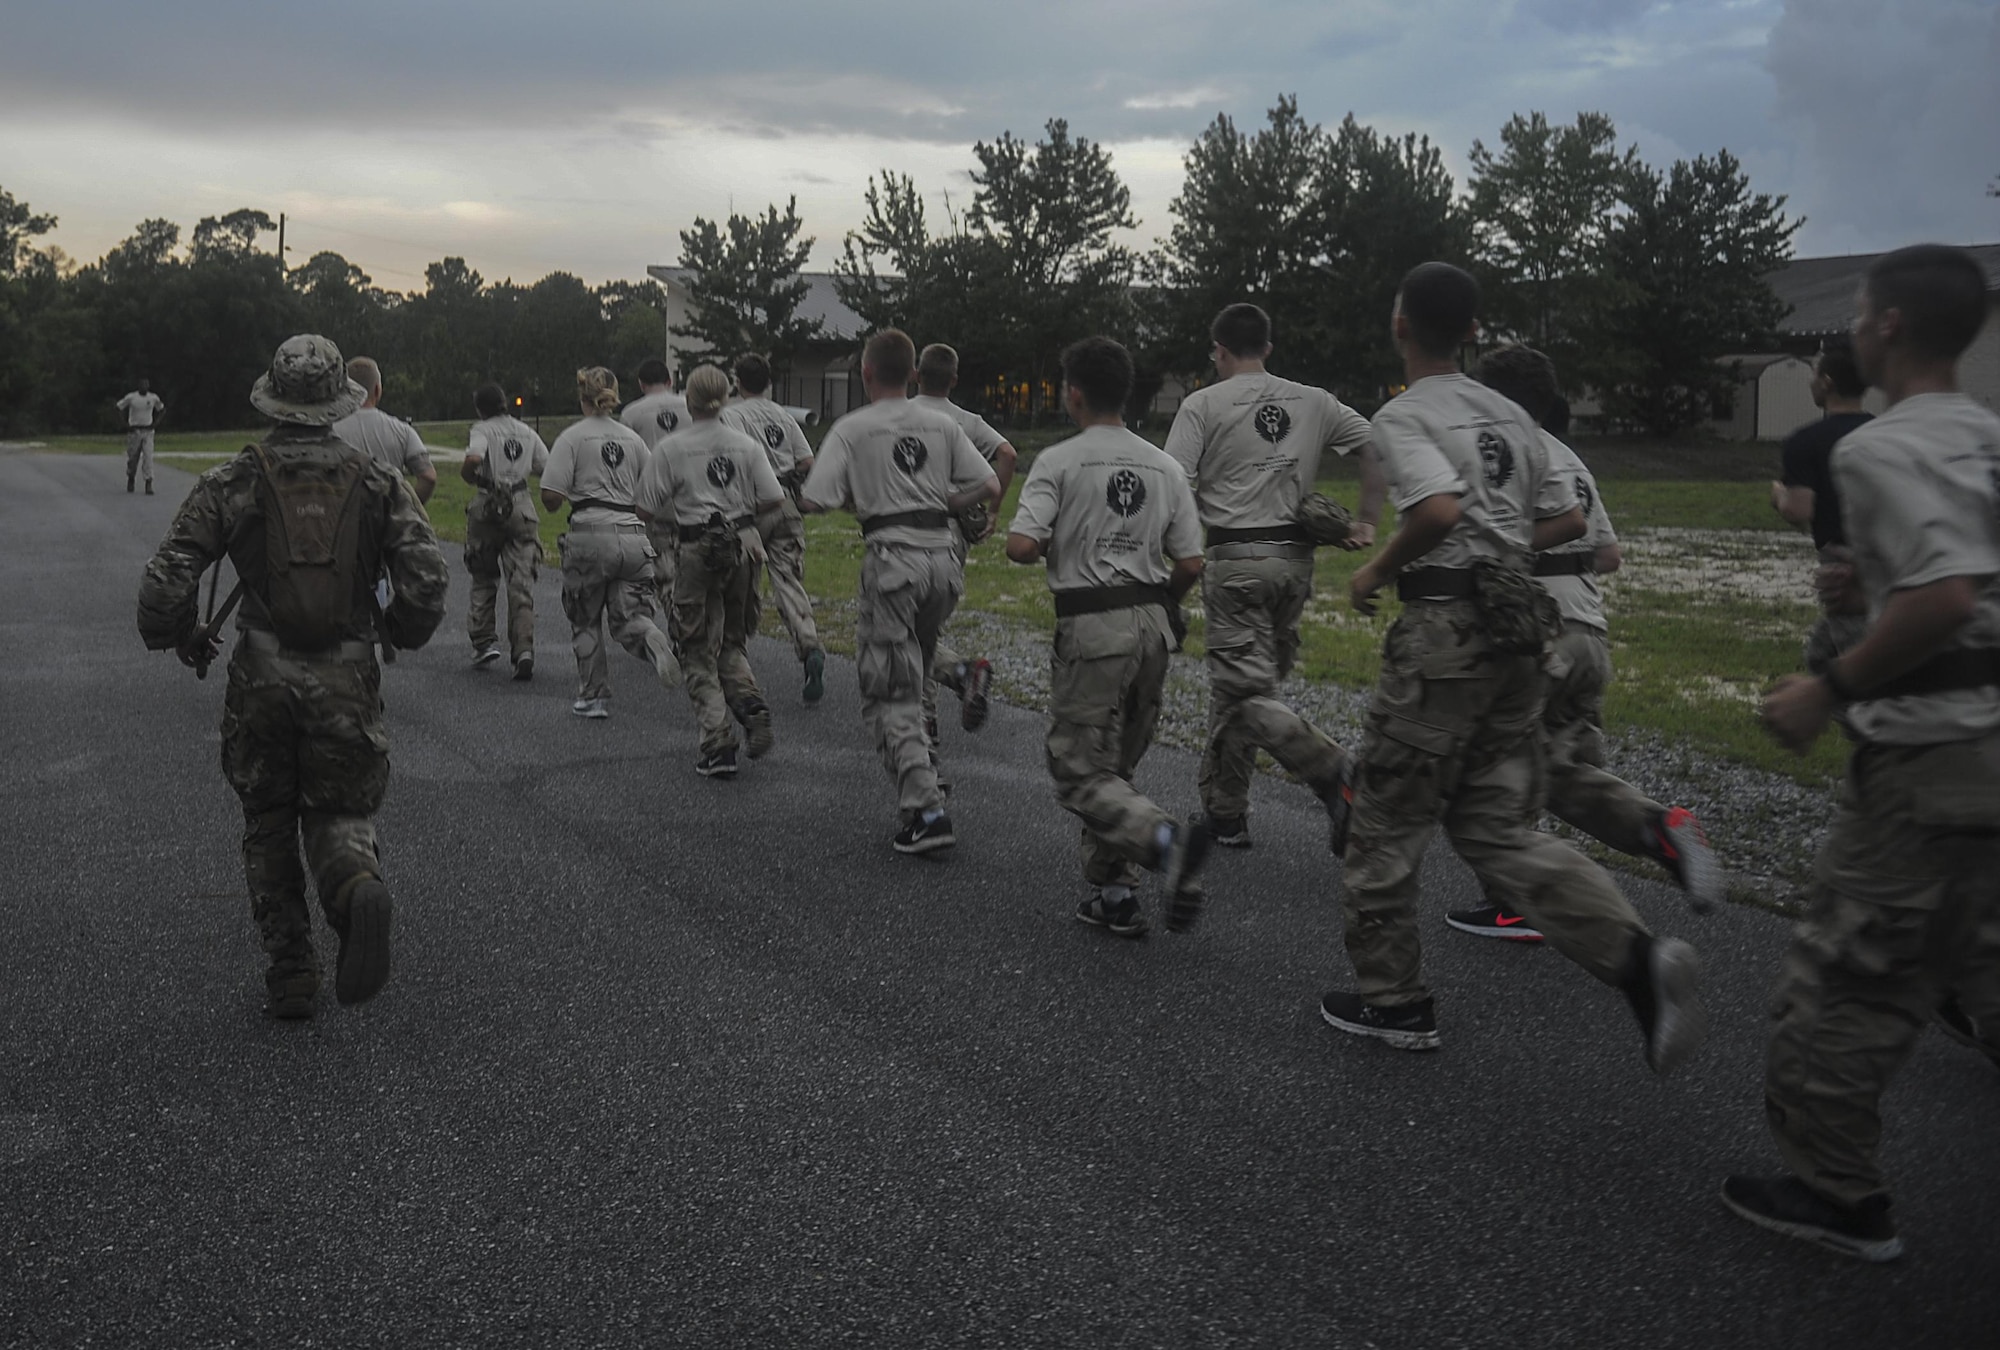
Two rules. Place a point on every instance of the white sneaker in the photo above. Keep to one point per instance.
(598, 709)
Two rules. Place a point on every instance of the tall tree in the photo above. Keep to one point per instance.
(230, 236)
(635, 316)
(18, 224)
(1544, 207)
(746, 288)
(1693, 252)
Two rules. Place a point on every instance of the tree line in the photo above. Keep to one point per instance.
(1634, 278)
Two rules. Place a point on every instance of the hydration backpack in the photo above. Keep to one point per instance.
(311, 575)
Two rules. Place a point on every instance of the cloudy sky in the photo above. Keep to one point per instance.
(584, 136)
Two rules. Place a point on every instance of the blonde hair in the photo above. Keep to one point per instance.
(706, 390)
(597, 390)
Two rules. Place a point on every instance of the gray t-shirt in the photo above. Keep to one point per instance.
(705, 469)
(140, 409)
(389, 441)
(1251, 445)
(891, 457)
(1450, 434)
(512, 453)
(1578, 596)
(1920, 491)
(656, 415)
(1109, 509)
(771, 427)
(977, 429)
(598, 459)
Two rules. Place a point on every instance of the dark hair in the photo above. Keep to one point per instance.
(1524, 375)
(1101, 370)
(1241, 329)
(1836, 363)
(937, 367)
(753, 373)
(653, 370)
(1940, 292)
(892, 354)
(1441, 303)
(1557, 422)
(490, 399)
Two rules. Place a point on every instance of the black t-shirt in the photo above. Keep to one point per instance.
(1808, 463)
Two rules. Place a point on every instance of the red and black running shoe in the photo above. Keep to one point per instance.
(1680, 846)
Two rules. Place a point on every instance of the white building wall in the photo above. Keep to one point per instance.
(1784, 399)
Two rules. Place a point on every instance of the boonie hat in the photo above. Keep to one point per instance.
(1325, 520)
(307, 384)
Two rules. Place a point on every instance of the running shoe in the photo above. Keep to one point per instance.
(1123, 918)
(925, 832)
(815, 689)
(364, 944)
(1186, 854)
(1229, 831)
(597, 709)
(1664, 998)
(721, 764)
(1406, 1026)
(1680, 846)
(972, 707)
(756, 721)
(1789, 1206)
(1494, 921)
(486, 655)
(524, 666)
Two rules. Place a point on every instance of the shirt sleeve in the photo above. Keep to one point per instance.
(1183, 534)
(652, 496)
(1555, 490)
(968, 468)
(416, 459)
(826, 486)
(475, 441)
(1185, 438)
(984, 438)
(1909, 519)
(1041, 495)
(1417, 470)
(764, 488)
(124, 403)
(539, 460)
(1346, 430)
(561, 468)
(795, 440)
(1795, 460)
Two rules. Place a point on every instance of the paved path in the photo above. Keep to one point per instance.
(669, 1061)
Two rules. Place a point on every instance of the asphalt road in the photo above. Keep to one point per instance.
(676, 1062)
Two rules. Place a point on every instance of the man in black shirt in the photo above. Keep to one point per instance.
(1807, 496)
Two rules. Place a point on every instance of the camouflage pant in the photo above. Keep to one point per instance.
(1905, 909)
(907, 594)
(665, 539)
(493, 552)
(303, 746)
(711, 621)
(945, 661)
(1105, 679)
(608, 579)
(1453, 739)
(139, 452)
(784, 536)
(1251, 609)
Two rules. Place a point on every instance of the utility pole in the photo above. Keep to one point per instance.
(281, 242)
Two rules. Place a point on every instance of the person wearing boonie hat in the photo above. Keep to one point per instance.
(607, 559)
(303, 743)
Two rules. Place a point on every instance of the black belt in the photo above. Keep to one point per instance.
(1103, 599)
(689, 533)
(1946, 673)
(1434, 583)
(1256, 534)
(1565, 564)
(916, 520)
(578, 503)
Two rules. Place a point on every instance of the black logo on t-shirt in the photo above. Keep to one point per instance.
(1125, 493)
(909, 454)
(722, 471)
(1272, 422)
(512, 449)
(774, 435)
(1497, 457)
(666, 419)
(613, 453)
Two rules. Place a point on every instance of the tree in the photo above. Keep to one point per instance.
(1692, 251)
(746, 289)
(635, 317)
(1543, 209)
(18, 225)
(231, 236)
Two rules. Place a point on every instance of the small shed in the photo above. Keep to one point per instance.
(1772, 398)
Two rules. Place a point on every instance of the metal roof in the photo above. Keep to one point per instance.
(1821, 291)
(838, 323)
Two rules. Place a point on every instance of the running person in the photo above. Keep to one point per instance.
(1112, 517)
(1251, 445)
(971, 680)
(1808, 497)
(1905, 912)
(904, 471)
(1580, 791)
(389, 441)
(502, 529)
(1454, 731)
(607, 562)
(658, 412)
(783, 531)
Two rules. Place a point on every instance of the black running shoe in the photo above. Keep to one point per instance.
(1494, 921)
(486, 655)
(972, 708)
(757, 722)
(925, 836)
(1662, 992)
(721, 764)
(1229, 831)
(1185, 857)
(291, 988)
(815, 688)
(1680, 846)
(364, 944)
(1124, 918)
(1789, 1206)
(524, 667)
(1407, 1026)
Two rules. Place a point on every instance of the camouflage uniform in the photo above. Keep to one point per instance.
(302, 738)
(948, 666)
(783, 531)
(1905, 909)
